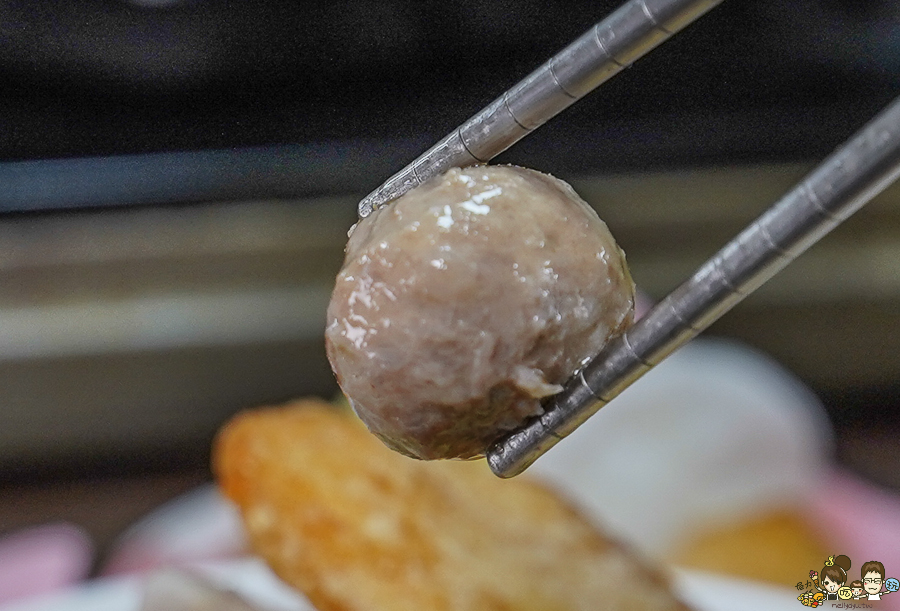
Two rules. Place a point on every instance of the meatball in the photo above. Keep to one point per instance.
(465, 302)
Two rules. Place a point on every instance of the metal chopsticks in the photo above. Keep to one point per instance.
(843, 183)
(851, 176)
(630, 32)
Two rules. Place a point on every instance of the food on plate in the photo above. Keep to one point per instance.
(357, 527)
(466, 301)
(778, 543)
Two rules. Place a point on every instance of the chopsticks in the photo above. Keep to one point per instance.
(611, 45)
(843, 183)
(848, 179)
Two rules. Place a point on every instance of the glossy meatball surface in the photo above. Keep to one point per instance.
(465, 302)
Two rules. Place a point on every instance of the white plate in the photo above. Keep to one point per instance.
(253, 580)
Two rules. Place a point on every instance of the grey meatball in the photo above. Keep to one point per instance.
(466, 301)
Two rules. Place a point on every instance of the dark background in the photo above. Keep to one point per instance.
(763, 79)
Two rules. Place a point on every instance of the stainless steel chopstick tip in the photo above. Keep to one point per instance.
(629, 33)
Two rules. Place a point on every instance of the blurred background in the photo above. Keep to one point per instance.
(177, 178)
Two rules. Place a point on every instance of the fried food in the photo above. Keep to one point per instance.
(779, 545)
(357, 527)
(466, 301)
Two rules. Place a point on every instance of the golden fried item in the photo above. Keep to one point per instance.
(357, 527)
(779, 545)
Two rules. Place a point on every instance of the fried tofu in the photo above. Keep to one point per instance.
(357, 527)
